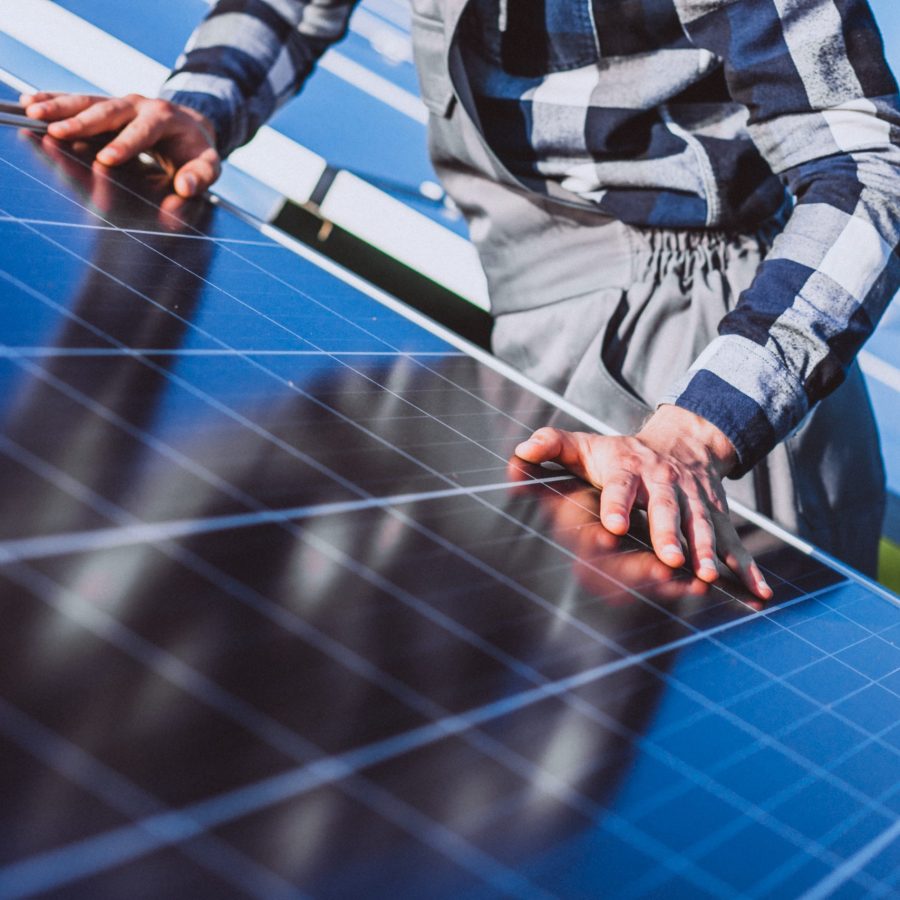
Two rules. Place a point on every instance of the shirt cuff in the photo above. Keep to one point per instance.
(744, 390)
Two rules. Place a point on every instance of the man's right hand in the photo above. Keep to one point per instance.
(181, 139)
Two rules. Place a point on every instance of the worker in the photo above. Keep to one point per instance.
(686, 211)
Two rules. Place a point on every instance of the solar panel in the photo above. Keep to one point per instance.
(281, 620)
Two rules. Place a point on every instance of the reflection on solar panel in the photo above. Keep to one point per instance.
(280, 621)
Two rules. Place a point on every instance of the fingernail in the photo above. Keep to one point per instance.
(759, 580)
(60, 128)
(36, 108)
(616, 521)
(671, 550)
(108, 156)
(188, 183)
(709, 563)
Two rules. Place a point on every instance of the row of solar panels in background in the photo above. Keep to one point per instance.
(357, 125)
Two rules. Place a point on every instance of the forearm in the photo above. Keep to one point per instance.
(248, 57)
(815, 301)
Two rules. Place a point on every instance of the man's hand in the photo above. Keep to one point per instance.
(673, 467)
(181, 139)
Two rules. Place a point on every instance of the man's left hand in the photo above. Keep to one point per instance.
(673, 468)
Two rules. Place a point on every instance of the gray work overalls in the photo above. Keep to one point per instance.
(610, 315)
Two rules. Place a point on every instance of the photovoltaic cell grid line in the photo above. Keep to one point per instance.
(472, 693)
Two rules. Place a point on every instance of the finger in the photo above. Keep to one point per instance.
(698, 528)
(545, 444)
(198, 174)
(617, 500)
(53, 107)
(99, 117)
(26, 100)
(140, 133)
(664, 519)
(738, 559)
(571, 449)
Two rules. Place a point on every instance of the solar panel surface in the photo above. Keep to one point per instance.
(280, 621)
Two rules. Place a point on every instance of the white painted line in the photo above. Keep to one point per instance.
(397, 13)
(271, 158)
(116, 68)
(882, 371)
(154, 532)
(280, 163)
(82, 48)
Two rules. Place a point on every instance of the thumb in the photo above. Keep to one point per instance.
(582, 454)
(545, 444)
(571, 449)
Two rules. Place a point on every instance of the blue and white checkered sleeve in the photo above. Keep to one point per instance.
(824, 111)
(248, 57)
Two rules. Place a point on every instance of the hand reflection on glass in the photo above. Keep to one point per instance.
(140, 286)
(102, 188)
(601, 557)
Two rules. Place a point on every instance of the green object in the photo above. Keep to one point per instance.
(889, 565)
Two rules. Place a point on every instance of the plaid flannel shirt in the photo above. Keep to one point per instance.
(677, 113)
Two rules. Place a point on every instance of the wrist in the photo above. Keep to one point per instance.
(673, 426)
(211, 113)
(203, 122)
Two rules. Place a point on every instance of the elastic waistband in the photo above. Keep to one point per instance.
(544, 267)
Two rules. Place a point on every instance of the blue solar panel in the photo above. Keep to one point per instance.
(280, 620)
